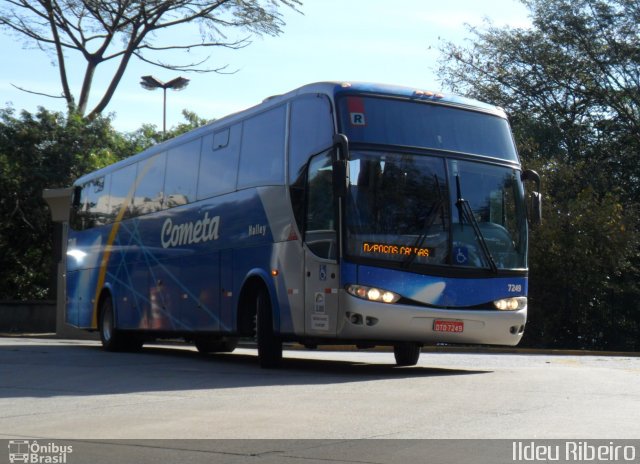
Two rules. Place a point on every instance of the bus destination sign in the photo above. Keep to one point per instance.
(400, 250)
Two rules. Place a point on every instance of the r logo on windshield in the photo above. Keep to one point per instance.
(357, 119)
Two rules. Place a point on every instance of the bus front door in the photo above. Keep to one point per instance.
(320, 249)
(321, 294)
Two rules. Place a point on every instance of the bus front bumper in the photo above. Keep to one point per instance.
(370, 321)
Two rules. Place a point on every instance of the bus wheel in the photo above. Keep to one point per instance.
(216, 345)
(269, 345)
(407, 353)
(113, 339)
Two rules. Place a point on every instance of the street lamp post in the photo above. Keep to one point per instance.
(152, 83)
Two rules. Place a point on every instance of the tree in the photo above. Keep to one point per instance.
(105, 31)
(571, 84)
(149, 135)
(38, 151)
(574, 75)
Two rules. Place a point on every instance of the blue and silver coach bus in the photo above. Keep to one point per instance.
(336, 213)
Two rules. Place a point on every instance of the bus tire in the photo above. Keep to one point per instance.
(407, 353)
(216, 345)
(269, 344)
(112, 338)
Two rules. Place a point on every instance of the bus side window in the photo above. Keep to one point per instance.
(320, 232)
(122, 182)
(79, 210)
(311, 131)
(101, 211)
(219, 162)
(91, 208)
(262, 152)
(76, 201)
(182, 174)
(148, 197)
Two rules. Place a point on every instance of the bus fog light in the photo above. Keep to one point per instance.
(373, 294)
(511, 304)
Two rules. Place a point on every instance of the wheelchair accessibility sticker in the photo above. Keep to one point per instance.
(461, 255)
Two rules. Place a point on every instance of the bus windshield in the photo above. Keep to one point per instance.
(407, 210)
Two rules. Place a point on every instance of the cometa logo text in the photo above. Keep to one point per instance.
(202, 230)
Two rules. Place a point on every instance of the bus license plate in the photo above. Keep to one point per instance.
(448, 326)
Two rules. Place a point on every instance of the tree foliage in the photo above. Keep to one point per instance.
(38, 151)
(116, 31)
(571, 84)
(148, 134)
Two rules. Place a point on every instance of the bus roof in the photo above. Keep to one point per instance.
(374, 89)
(333, 89)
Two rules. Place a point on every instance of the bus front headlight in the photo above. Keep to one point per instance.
(373, 294)
(511, 304)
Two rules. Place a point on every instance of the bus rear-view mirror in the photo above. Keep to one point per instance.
(535, 198)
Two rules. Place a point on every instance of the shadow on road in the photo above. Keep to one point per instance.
(349, 369)
(55, 368)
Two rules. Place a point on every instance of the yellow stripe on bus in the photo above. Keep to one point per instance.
(112, 237)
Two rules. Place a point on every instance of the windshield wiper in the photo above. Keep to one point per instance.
(428, 222)
(466, 213)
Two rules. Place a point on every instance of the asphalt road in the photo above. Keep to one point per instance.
(72, 390)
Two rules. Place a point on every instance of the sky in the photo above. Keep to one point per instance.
(393, 42)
